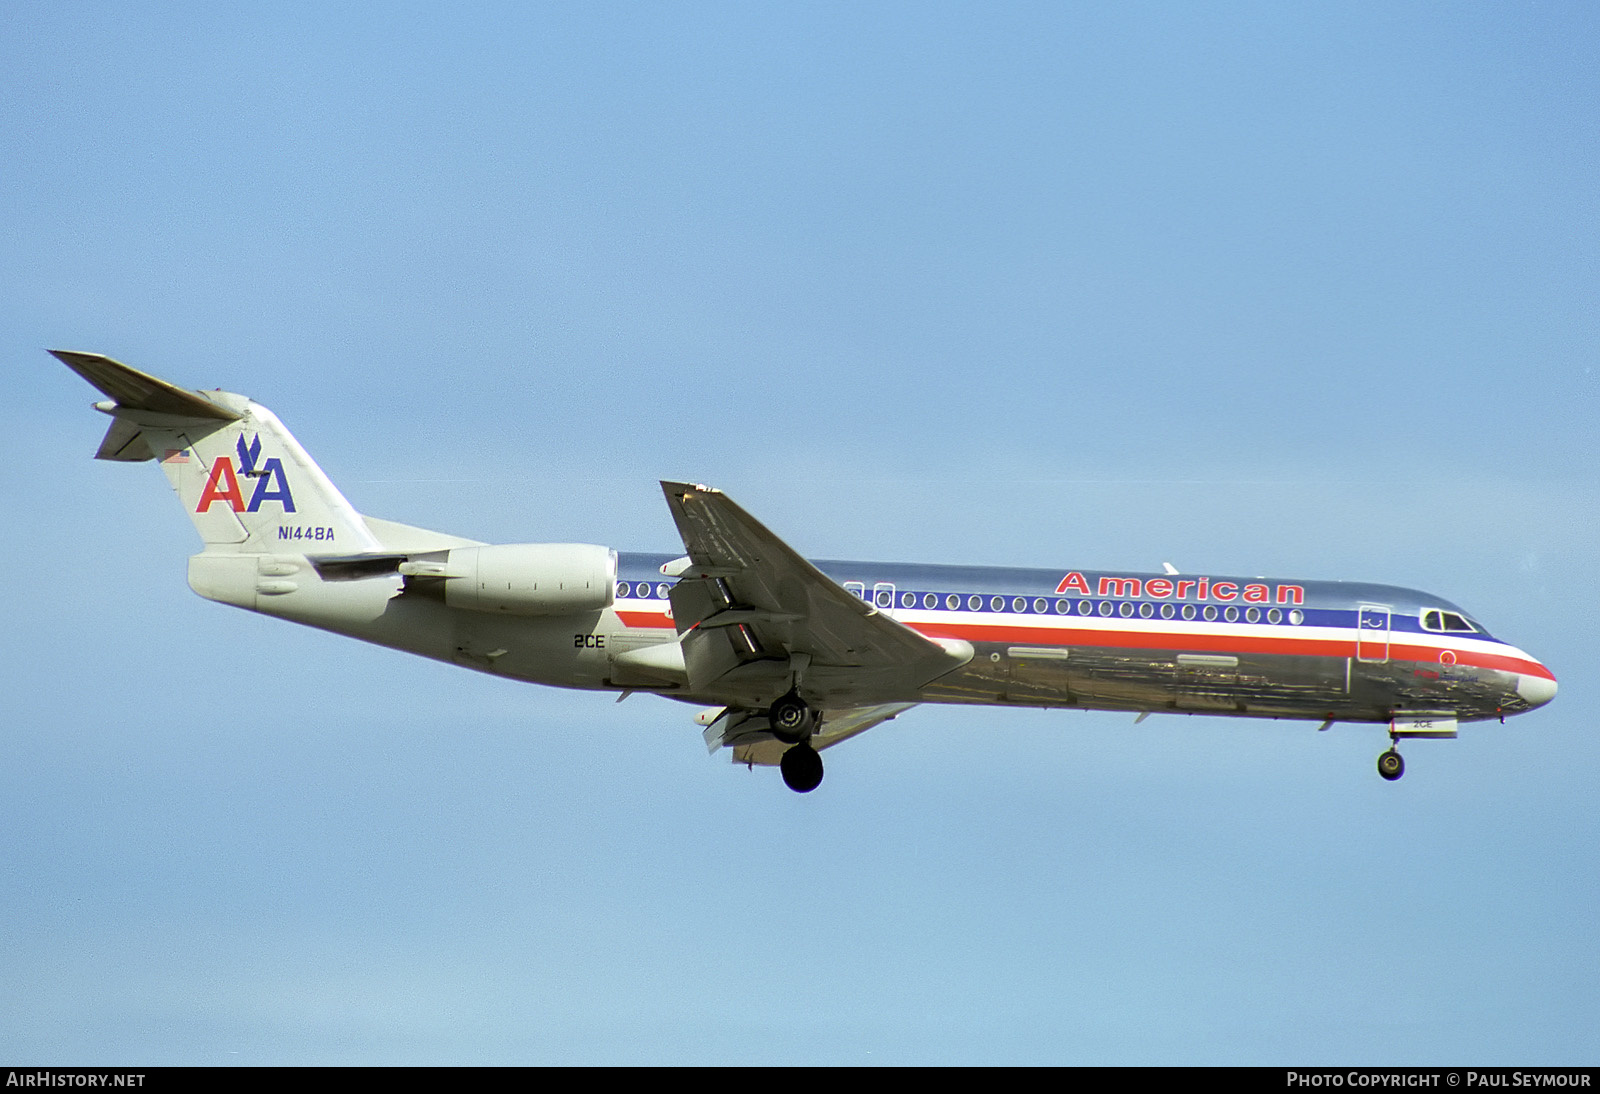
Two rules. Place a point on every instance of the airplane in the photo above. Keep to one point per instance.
(790, 657)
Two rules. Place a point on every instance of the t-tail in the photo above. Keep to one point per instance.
(246, 483)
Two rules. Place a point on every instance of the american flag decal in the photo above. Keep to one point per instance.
(176, 455)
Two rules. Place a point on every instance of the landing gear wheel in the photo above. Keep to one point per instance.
(790, 719)
(1391, 766)
(802, 769)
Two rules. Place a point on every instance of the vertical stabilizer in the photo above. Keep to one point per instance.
(241, 476)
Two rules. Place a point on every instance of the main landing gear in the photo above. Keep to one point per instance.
(802, 768)
(791, 721)
(1390, 765)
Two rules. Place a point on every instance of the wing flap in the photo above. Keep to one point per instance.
(750, 746)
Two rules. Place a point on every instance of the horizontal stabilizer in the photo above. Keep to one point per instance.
(124, 442)
(140, 391)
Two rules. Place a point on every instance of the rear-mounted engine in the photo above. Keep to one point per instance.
(523, 578)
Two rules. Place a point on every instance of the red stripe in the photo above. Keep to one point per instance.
(1170, 640)
(645, 620)
(1430, 655)
(1222, 643)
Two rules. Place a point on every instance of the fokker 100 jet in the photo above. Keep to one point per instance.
(788, 656)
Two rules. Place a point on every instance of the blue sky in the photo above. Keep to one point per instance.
(1296, 290)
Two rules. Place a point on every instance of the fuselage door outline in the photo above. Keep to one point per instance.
(1372, 633)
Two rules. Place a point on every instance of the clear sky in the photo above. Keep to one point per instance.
(1292, 289)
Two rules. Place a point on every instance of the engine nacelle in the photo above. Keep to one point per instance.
(531, 578)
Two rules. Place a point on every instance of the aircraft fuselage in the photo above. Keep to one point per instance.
(1256, 647)
(1168, 642)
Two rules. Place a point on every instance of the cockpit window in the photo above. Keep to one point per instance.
(1448, 622)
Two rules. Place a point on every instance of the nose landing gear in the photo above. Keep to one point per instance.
(1390, 765)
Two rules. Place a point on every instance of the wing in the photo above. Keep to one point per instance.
(755, 619)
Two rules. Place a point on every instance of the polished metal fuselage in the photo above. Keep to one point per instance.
(1119, 641)
(1329, 651)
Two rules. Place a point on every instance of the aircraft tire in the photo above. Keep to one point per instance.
(1391, 766)
(790, 719)
(802, 769)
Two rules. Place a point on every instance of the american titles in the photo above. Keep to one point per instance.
(1185, 588)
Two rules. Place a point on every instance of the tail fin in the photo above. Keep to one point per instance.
(242, 477)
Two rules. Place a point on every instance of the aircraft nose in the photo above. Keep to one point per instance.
(1536, 690)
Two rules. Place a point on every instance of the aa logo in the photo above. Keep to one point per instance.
(223, 483)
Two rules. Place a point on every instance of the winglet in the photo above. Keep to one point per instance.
(140, 391)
